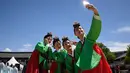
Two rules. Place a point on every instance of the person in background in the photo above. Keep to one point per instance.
(128, 70)
(24, 68)
(6, 68)
(2, 65)
(117, 69)
(15, 69)
(11, 68)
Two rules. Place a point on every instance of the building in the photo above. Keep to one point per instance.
(120, 55)
(21, 57)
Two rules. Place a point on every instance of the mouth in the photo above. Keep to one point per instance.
(49, 41)
(69, 47)
(59, 47)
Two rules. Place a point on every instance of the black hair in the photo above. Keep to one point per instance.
(64, 39)
(49, 34)
(76, 24)
(55, 39)
(7, 64)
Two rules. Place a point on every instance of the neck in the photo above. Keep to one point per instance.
(44, 43)
(57, 49)
(70, 52)
(81, 37)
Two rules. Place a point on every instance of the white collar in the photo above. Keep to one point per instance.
(73, 48)
(82, 41)
(58, 50)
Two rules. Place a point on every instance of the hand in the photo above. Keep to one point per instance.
(74, 42)
(93, 8)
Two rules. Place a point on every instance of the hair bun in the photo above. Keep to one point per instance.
(65, 38)
(76, 24)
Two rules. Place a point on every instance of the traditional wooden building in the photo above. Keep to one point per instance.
(21, 57)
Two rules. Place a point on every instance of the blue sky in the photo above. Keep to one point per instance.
(24, 22)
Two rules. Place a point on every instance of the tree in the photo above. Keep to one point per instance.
(127, 58)
(104, 48)
(109, 55)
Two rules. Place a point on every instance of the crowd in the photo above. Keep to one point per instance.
(6, 68)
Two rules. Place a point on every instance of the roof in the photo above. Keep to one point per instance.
(15, 54)
(122, 56)
(13, 61)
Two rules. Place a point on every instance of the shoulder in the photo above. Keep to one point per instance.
(15, 68)
(39, 44)
(63, 50)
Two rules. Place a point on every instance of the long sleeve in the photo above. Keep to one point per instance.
(58, 56)
(58, 64)
(95, 28)
(44, 52)
(88, 58)
(41, 47)
(77, 54)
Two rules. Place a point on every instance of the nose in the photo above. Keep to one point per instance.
(68, 45)
(79, 29)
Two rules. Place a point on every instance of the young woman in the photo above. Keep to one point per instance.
(69, 58)
(89, 57)
(58, 56)
(38, 62)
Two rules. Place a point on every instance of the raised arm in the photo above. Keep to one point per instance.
(95, 28)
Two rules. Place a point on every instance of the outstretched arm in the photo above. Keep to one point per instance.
(95, 28)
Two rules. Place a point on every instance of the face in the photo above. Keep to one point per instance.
(57, 45)
(49, 39)
(67, 45)
(79, 31)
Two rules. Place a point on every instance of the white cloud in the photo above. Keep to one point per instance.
(122, 29)
(7, 50)
(26, 48)
(27, 45)
(116, 46)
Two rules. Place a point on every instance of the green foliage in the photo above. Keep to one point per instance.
(128, 51)
(127, 58)
(109, 55)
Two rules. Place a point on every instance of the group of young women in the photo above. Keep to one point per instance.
(86, 57)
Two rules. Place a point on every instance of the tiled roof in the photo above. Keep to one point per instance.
(15, 54)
